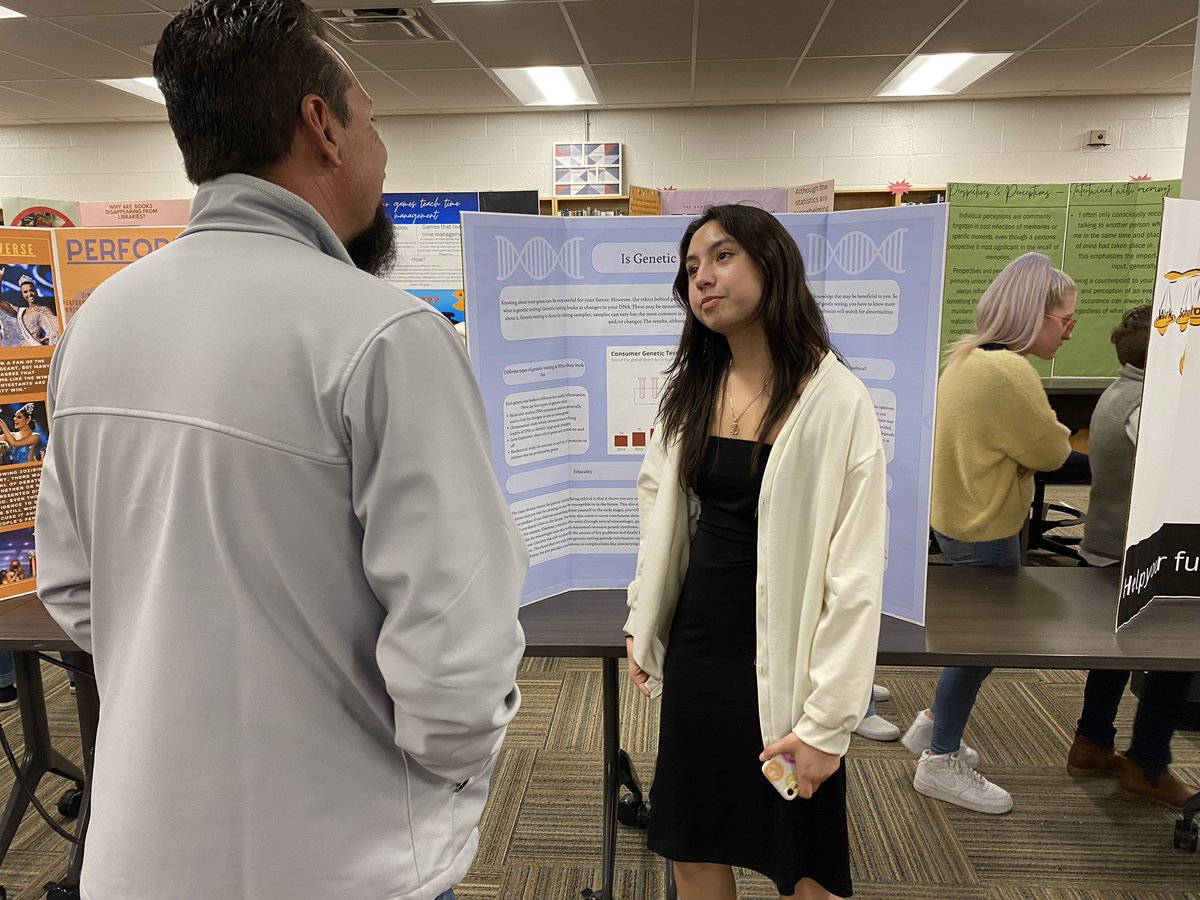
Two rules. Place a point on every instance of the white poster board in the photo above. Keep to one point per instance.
(1162, 555)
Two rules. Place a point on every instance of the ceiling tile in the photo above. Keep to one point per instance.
(94, 99)
(125, 33)
(742, 80)
(523, 34)
(14, 68)
(37, 39)
(820, 79)
(1183, 36)
(605, 40)
(984, 26)
(1121, 23)
(1140, 69)
(455, 89)
(15, 102)
(861, 27)
(387, 96)
(1038, 71)
(645, 84)
(46, 8)
(395, 57)
(1180, 84)
(755, 29)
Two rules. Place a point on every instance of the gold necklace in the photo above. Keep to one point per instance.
(735, 429)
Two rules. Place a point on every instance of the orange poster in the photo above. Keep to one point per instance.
(85, 257)
(29, 328)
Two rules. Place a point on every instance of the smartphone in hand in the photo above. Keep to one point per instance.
(780, 770)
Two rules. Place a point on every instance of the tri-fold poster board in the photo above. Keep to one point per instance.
(571, 324)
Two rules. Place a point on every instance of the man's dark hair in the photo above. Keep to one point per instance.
(1132, 336)
(233, 73)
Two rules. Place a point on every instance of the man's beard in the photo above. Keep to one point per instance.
(374, 250)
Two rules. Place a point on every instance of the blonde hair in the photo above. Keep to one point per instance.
(1011, 310)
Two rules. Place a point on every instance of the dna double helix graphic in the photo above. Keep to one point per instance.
(538, 258)
(855, 252)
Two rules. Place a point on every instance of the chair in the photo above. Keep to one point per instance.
(1075, 470)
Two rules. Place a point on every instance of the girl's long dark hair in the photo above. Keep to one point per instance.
(796, 336)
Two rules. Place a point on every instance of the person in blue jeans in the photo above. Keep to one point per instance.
(1142, 770)
(995, 428)
(8, 677)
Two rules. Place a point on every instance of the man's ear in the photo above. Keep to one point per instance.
(320, 129)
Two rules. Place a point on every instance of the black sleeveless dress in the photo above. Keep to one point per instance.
(709, 801)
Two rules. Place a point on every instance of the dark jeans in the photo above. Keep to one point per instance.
(1158, 712)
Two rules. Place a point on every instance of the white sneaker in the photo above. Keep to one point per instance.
(920, 734)
(946, 777)
(877, 728)
(880, 694)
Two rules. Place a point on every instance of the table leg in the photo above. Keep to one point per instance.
(87, 701)
(610, 695)
(40, 756)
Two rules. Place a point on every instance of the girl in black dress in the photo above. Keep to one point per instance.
(757, 596)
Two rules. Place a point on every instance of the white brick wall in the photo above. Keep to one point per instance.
(859, 145)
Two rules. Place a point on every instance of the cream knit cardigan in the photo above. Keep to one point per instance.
(822, 515)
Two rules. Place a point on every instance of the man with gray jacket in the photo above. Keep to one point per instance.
(282, 539)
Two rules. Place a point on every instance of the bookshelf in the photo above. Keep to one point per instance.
(874, 199)
(847, 199)
(599, 205)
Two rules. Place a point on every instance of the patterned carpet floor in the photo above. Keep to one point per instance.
(1066, 838)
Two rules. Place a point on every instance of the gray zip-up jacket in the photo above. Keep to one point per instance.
(268, 510)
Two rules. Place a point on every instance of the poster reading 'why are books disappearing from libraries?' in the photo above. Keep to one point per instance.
(572, 326)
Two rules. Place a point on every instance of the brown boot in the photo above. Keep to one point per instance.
(1085, 758)
(1168, 791)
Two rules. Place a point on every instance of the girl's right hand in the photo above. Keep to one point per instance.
(637, 674)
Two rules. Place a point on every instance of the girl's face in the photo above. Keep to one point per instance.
(725, 288)
(20, 419)
(1056, 329)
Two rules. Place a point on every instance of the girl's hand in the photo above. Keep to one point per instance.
(637, 674)
(813, 766)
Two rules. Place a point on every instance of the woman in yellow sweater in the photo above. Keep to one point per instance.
(995, 428)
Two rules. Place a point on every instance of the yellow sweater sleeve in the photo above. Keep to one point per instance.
(1032, 435)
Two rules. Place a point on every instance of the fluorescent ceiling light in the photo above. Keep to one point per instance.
(467, 1)
(549, 85)
(6, 13)
(939, 74)
(146, 88)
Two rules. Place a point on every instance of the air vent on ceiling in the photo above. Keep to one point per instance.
(384, 25)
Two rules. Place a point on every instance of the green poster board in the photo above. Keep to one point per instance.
(1112, 253)
(1103, 235)
(989, 225)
